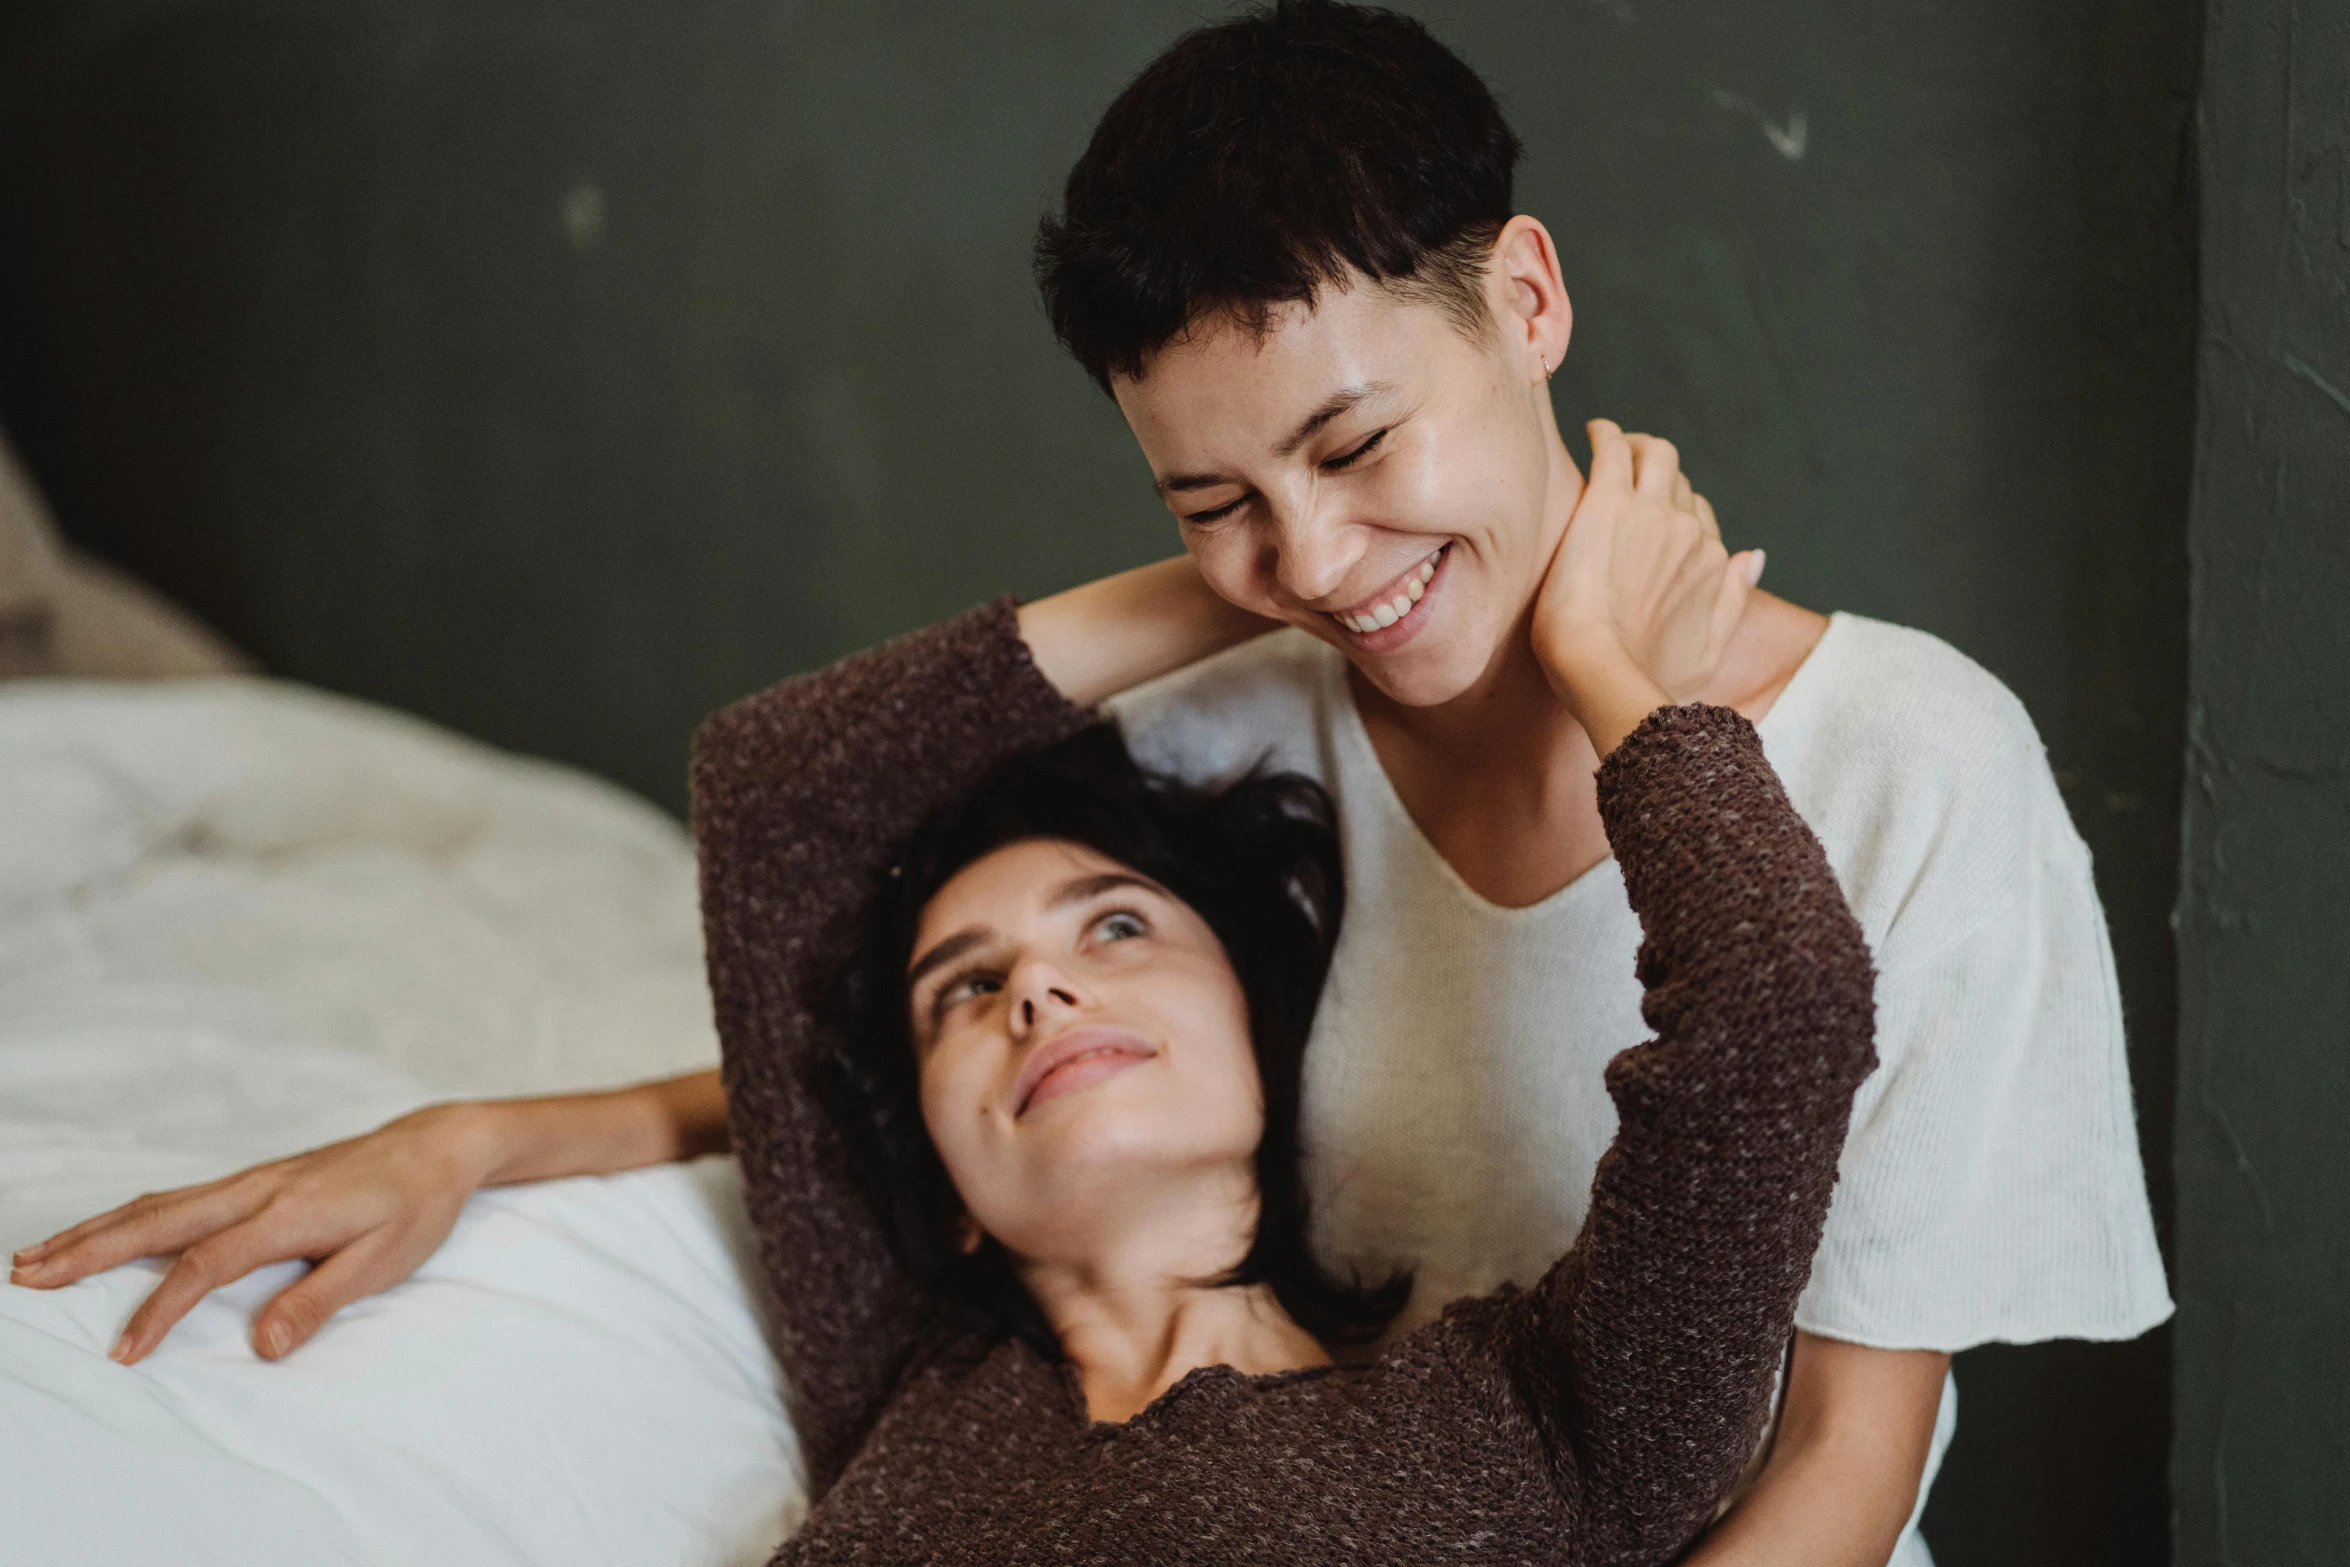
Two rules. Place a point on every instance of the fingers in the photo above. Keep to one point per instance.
(204, 1267)
(1611, 455)
(302, 1308)
(1737, 586)
(1705, 517)
(144, 1227)
(69, 1237)
(1656, 465)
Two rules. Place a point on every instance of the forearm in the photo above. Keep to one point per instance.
(1707, 1207)
(1819, 1506)
(1843, 1474)
(1095, 641)
(513, 1140)
(801, 796)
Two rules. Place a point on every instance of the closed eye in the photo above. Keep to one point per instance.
(1213, 513)
(1345, 460)
(1338, 464)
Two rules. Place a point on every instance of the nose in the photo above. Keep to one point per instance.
(1315, 545)
(1039, 993)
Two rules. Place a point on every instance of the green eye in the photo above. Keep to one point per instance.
(1120, 926)
(964, 987)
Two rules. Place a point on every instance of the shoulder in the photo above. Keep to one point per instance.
(1263, 701)
(1918, 770)
(1906, 704)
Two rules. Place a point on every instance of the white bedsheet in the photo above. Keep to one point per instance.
(238, 918)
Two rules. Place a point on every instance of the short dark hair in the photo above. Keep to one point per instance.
(1264, 157)
(1257, 859)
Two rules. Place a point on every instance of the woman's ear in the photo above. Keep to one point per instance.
(1528, 296)
(969, 1237)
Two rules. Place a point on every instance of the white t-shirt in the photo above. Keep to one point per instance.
(1454, 1111)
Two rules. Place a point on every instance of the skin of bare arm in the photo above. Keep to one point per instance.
(367, 1212)
(1842, 1477)
(1095, 641)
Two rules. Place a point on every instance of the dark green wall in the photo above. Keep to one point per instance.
(2261, 1464)
(562, 369)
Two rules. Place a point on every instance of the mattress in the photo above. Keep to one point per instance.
(239, 918)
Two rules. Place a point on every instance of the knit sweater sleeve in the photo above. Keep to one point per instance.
(800, 795)
(1647, 1354)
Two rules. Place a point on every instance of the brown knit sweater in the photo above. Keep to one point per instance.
(1595, 1418)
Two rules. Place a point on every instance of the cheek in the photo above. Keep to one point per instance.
(1227, 1094)
(1229, 561)
(1473, 484)
(953, 1100)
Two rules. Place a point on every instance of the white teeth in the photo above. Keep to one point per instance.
(1415, 588)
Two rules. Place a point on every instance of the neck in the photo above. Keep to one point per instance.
(1137, 1316)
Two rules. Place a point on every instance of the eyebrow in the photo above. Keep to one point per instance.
(1085, 887)
(1077, 890)
(947, 951)
(1335, 404)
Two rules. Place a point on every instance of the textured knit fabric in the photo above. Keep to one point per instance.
(1991, 1186)
(1595, 1417)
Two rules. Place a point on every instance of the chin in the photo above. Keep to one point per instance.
(1442, 663)
(1451, 651)
(1100, 1147)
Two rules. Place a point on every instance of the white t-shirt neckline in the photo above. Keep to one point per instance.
(1591, 882)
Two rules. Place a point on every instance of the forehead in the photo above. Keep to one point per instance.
(1006, 884)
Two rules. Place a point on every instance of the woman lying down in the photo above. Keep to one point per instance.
(1014, 1038)
(1065, 1075)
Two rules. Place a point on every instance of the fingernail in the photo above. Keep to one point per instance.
(276, 1339)
(1754, 569)
(120, 1354)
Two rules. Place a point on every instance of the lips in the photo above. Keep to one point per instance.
(1389, 620)
(1076, 1059)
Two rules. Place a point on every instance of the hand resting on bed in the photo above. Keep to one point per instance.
(369, 1211)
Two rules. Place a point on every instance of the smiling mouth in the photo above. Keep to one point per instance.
(1078, 1059)
(1397, 603)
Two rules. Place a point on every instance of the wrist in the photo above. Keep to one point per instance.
(1579, 659)
(1603, 687)
(474, 1139)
